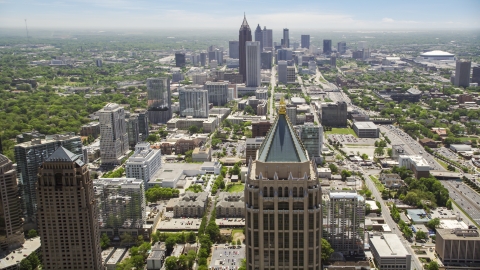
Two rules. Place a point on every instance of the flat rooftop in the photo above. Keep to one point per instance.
(21, 253)
(388, 246)
(365, 125)
(449, 234)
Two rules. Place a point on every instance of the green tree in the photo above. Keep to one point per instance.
(433, 223)
(152, 138)
(345, 174)
(25, 264)
(32, 233)
(126, 239)
(171, 263)
(104, 241)
(433, 265)
(193, 129)
(249, 110)
(333, 168)
(364, 156)
(327, 250)
(420, 235)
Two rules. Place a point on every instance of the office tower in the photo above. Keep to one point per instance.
(98, 62)
(217, 92)
(344, 221)
(144, 162)
(142, 123)
(113, 134)
(159, 101)
(282, 71)
(133, 130)
(194, 59)
(334, 114)
(29, 155)
(283, 202)
(203, 59)
(312, 139)
(253, 64)
(284, 54)
(333, 60)
(121, 206)
(193, 102)
(10, 207)
(362, 45)
(305, 41)
(286, 38)
(233, 47)
(179, 59)
(267, 38)
(219, 56)
(295, 45)
(211, 56)
(462, 73)
(266, 60)
(476, 75)
(290, 74)
(244, 35)
(67, 213)
(259, 36)
(342, 47)
(327, 46)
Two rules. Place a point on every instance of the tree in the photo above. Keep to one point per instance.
(170, 242)
(379, 151)
(126, 239)
(449, 204)
(249, 110)
(152, 138)
(327, 250)
(389, 152)
(433, 223)
(239, 242)
(25, 264)
(104, 241)
(345, 174)
(364, 156)
(433, 265)
(32, 233)
(333, 168)
(171, 263)
(420, 235)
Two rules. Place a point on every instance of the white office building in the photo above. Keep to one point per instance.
(193, 102)
(113, 134)
(389, 252)
(144, 163)
(253, 64)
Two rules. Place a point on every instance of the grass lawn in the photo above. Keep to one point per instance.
(236, 188)
(463, 139)
(342, 131)
(444, 164)
(377, 183)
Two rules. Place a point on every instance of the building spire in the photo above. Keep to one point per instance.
(282, 109)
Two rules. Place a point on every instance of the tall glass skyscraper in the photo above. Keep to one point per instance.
(159, 100)
(244, 35)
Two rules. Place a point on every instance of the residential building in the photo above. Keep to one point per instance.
(391, 180)
(286, 38)
(465, 98)
(366, 129)
(342, 47)
(199, 78)
(251, 147)
(179, 59)
(253, 69)
(292, 114)
(113, 134)
(190, 205)
(10, 207)
(291, 77)
(334, 114)
(142, 123)
(267, 38)
(312, 139)
(344, 221)
(458, 246)
(159, 101)
(305, 41)
(90, 129)
(230, 205)
(260, 128)
(282, 71)
(156, 258)
(266, 60)
(327, 46)
(417, 164)
(462, 73)
(283, 222)
(389, 253)
(259, 36)
(217, 92)
(133, 129)
(193, 102)
(233, 49)
(428, 142)
(121, 206)
(29, 156)
(144, 163)
(67, 213)
(244, 35)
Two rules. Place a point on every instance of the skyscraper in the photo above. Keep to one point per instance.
(476, 75)
(113, 134)
(159, 100)
(462, 73)
(203, 59)
(244, 35)
(267, 38)
(133, 129)
(233, 47)
(193, 102)
(305, 41)
(286, 38)
(217, 92)
(266, 61)
(327, 46)
(283, 202)
(259, 36)
(312, 138)
(10, 207)
(253, 64)
(179, 59)
(142, 123)
(282, 71)
(29, 156)
(67, 214)
(342, 47)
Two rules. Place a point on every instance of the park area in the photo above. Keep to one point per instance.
(235, 188)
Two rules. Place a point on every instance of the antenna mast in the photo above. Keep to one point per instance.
(26, 28)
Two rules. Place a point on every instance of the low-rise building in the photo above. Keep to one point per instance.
(230, 205)
(90, 129)
(417, 164)
(324, 173)
(251, 147)
(366, 129)
(460, 148)
(189, 205)
(144, 163)
(458, 247)
(156, 257)
(391, 180)
(389, 253)
(201, 154)
(115, 258)
(428, 142)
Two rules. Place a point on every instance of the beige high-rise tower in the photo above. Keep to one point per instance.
(283, 203)
(67, 213)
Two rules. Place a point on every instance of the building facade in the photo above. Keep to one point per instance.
(244, 35)
(267, 38)
(10, 207)
(179, 59)
(144, 163)
(342, 47)
(458, 246)
(133, 130)
(113, 134)
(312, 138)
(305, 39)
(233, 49)
(259, 36)
(193, 102)
(283, 203)
(327, 46)
(159, 100)
(230, 205)
(266, 60)
(253, 78)
(462, 73)
(334, 114)
(251, 147)
(67, 214)
(282, 71)
(286, 38)
(217, 92)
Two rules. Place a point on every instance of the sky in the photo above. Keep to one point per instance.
(228, 14)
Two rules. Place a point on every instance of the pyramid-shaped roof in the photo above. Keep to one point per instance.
(259, 29)
(282, 143)
(62, 154)
(244, 23)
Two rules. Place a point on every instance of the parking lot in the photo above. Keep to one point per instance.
(225, 256)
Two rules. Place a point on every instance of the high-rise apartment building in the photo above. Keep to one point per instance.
(179, 59)
(282, 71)
(259, 36)
(334, 114)
(244, 35)
(142, 123)
(29, 156)
(159, 101)
(476, 75)
(283, 202)
(267, 38)
(133, 129)
(344, 221)
(217, 92)
(254, 78)
(305, 39)
(286, 38)
(113, 134)
(233, 49)
(327, 46)
(342, 47)
(462, 73)
(144, 163)
(193, 102)
(312, 138)
(67, 214)
(10, 207)
(121, 206)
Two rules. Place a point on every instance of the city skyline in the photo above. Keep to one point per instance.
(108, 14)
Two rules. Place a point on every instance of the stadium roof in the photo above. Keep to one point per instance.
(437, 53)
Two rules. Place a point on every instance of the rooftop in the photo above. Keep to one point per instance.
(436, 53)
(459, 234)
(365, 125)
(388, 245)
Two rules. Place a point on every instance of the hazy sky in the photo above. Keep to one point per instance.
(227, 14)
